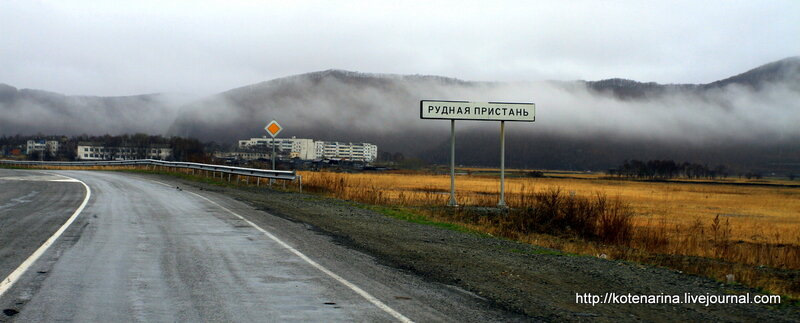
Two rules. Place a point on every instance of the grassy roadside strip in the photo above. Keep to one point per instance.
(407, 214)
(11, 167)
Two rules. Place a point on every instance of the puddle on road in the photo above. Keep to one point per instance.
(10, 312)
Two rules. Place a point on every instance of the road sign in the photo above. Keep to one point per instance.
(486, 111)
(273, 128)
(489, 111)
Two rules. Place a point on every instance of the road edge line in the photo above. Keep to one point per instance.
(372, 299)
(15, 275)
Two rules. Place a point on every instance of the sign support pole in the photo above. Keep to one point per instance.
(452, 164)
(273, 153)
(271, 180)
(502, 202)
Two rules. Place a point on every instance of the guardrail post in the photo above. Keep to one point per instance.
(229, 177)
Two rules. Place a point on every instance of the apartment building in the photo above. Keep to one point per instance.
(360, 151)
(49, 146)
(309, 149)
(291, 147)
(246, 155)
(91, 151)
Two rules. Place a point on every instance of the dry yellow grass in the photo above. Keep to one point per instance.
(682, 213)
(755, 213)
(747, 227)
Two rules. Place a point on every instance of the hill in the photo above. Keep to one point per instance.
(743, 120)
(747, 121)
(27, 111)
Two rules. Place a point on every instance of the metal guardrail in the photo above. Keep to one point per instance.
(242, 171)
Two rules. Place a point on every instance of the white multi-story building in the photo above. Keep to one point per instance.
(360, 151)
(308, 149)
(246, 155)
(50, 146)
(88, 151)
(293, 147)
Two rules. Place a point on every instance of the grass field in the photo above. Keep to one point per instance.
(745, 226)
(754, 213)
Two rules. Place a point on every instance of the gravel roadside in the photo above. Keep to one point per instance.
(538, 282)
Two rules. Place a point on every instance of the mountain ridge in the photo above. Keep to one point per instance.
(769, 72)
(621, 87)
(576, 117)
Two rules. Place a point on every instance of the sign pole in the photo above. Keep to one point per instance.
(272, 180)
(502, 202)
(273, 153)
(452, 163)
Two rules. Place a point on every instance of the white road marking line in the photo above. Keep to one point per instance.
(68, 180)
(15, 275)
(358, 290)
(37, 179)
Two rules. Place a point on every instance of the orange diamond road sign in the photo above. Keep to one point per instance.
(273, 128)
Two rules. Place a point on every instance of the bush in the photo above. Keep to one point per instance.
(535, 173)
(555, 212)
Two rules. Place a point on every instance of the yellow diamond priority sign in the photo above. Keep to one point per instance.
(273, 128)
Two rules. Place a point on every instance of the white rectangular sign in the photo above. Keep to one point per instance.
(490, 111)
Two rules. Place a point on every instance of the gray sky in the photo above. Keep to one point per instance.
(203, 47)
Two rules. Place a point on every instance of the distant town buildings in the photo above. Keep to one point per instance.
(93, 151)
(246, 155)
(346, 150)
(42, 146)
(296, 147)
(308, 149)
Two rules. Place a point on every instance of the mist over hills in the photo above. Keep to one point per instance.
(27, 112)
(785, 72)
(748, 121)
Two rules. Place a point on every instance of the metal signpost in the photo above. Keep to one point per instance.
(482, 111)
(273, 129)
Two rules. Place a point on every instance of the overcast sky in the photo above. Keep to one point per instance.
(203, 47)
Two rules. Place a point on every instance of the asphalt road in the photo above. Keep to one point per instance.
(33, 205)
(143, 250)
